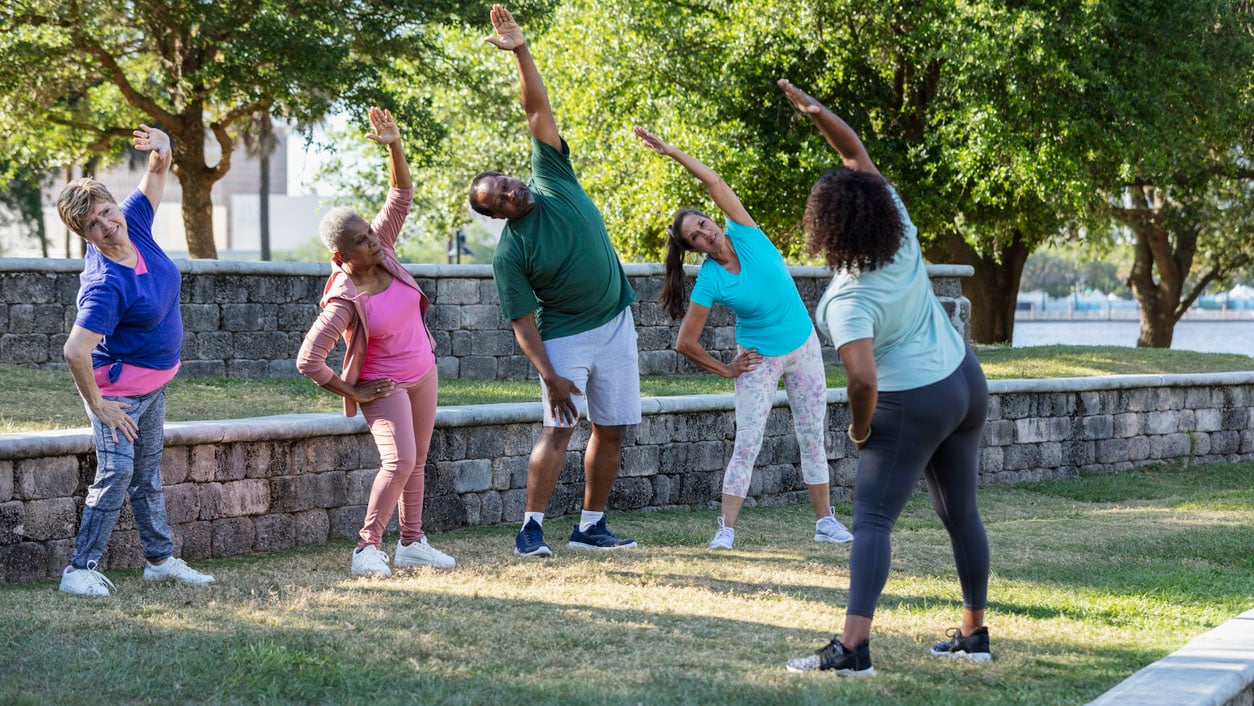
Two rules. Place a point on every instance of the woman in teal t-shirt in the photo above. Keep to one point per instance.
(917, 395)
(745, 272)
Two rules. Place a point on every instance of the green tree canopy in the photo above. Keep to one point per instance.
(78, 75)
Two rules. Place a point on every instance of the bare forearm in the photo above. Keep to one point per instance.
(528, 337)
(862, 400)
(700, 356)
(838, 134)
(84, 376)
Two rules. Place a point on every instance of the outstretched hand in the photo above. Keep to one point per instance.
(150, 139)
(509, 35)
(385, 130)
(653, 142)
(805, 102)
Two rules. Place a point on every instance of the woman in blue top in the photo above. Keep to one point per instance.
(917, 396)
(745, 272)
(122, 351)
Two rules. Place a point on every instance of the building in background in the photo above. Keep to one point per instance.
(236, 210)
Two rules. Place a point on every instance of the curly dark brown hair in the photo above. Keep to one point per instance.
(852, 219)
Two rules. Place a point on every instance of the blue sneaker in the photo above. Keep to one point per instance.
(530, 541)
(598, 536)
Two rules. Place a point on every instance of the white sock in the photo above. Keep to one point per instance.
(537, 516)
(587, 519)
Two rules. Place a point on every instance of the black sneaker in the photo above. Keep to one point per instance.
(834, 656)
(530, 541)
(973, 647)
(598, 536)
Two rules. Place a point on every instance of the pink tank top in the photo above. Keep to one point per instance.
(398, 348)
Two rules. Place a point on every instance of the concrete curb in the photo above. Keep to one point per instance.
(1214, 669)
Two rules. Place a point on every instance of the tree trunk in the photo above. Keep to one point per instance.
(1154, 253)
(265, 142)
(197, 181)
(994, 288)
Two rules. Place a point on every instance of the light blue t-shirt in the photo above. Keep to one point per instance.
(913, 341)
(770, 315)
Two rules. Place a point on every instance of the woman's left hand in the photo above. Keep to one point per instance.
(652, 141)
(385, 130)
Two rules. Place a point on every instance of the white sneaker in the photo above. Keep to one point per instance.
(85, 582)
(175, 569)
(829, 529)
(421, 553)
(370, 562)
(724, 537)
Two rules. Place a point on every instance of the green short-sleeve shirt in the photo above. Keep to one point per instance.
(557, 260)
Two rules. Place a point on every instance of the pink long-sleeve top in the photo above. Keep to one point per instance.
(344, 309)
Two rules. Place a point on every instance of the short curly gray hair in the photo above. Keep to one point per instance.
(333, 224)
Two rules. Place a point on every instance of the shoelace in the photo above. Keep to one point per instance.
(95, 578)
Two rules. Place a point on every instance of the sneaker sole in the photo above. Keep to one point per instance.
(541, 552)
(831, 540)
(415, 564)
(847, 673)
(159, 579)
(975, 657)
(593, 547)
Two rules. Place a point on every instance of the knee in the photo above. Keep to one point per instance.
(609, 434)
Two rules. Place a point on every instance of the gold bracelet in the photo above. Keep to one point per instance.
(849, 433)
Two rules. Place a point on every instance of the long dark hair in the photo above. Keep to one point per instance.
(852, 219)
(673, 300)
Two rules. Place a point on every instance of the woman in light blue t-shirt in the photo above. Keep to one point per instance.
(744, 271)
(917, 396)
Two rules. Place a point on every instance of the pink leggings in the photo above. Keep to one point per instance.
(401, 425)
(806, 383)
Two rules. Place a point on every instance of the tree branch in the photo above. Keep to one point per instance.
(118, 78)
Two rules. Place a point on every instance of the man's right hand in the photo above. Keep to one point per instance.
(509, 35)
(559, 391)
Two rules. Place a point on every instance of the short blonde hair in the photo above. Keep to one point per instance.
(77, 200)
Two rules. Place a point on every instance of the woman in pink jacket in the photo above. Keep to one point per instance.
(389, 365)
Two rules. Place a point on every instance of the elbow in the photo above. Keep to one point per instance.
(860, 386)
(687, 348)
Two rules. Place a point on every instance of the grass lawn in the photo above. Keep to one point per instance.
(1092, 579)
(45, 399)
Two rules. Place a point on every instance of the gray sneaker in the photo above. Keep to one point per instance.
(829, 529)
(724, 538)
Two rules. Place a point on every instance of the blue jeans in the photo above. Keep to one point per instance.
(126, 468)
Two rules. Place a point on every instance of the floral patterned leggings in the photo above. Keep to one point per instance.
(806, 383)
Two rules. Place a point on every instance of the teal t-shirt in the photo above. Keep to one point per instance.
(557, 260)
(913, 341)
(770, 315)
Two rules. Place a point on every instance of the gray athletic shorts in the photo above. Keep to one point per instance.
(604, 364)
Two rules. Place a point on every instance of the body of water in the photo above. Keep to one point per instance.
(1202, 336)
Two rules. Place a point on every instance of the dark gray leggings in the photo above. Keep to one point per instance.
(934, 430)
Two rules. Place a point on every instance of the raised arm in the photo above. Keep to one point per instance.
(157, 144)
(726, 199)
(386, 133)
(839, 135)
(535, 100)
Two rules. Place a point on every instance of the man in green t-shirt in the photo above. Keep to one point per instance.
(564, 290)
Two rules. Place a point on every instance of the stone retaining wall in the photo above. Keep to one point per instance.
(247, 319)
(261, 485)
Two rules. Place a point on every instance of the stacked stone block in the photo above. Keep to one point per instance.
(247, 319)
(262, 485)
